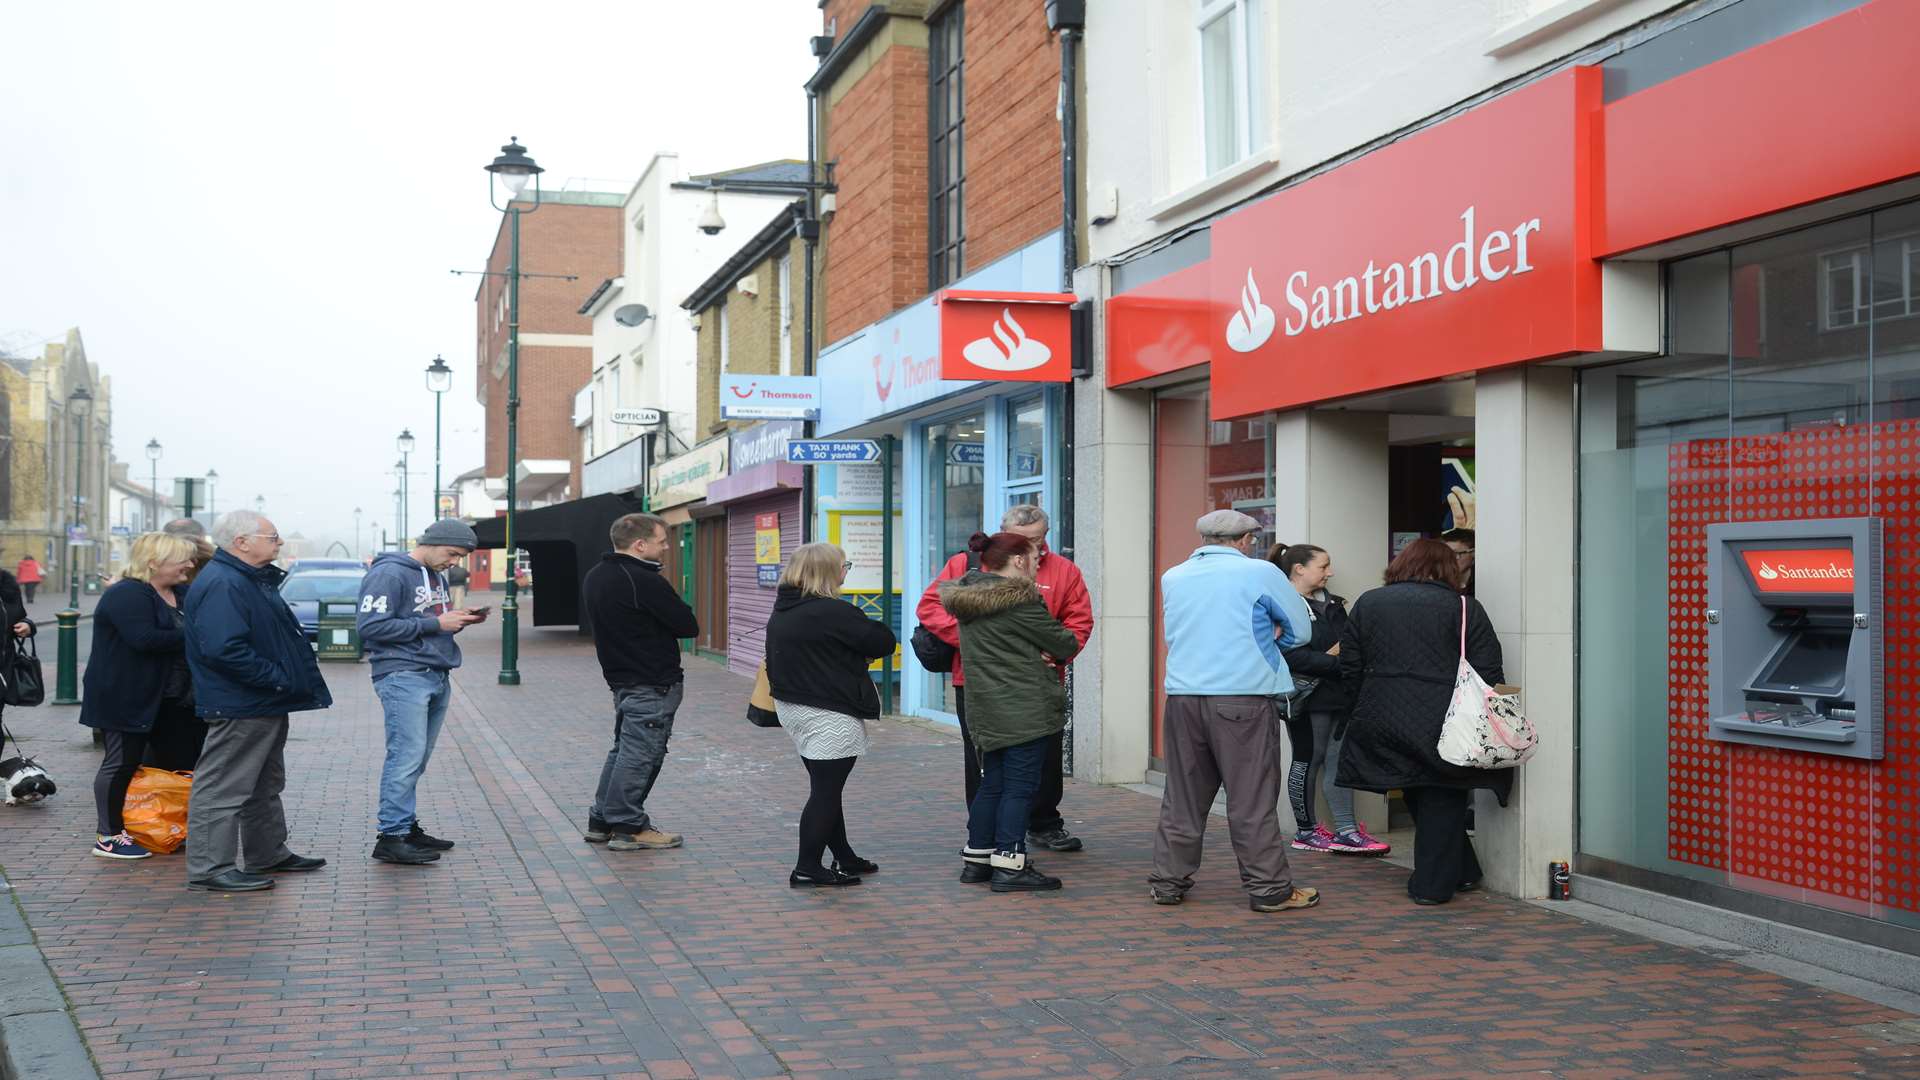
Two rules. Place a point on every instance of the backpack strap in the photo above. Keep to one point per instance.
(1463, 626)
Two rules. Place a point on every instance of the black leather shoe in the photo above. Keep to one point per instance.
(1424, 901)
(1468, 886)
(1054, 840)
(418, 837)
(232, 881)
(395, 849)
(293, 864)
(975, 873)
(857, 866)
(830, 879)
(1026, 879)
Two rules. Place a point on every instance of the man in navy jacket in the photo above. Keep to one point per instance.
(251, 667)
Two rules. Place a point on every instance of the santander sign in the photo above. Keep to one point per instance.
(1801, 570)
(1461, 247)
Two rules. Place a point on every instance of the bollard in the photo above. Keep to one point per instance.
(66, 688)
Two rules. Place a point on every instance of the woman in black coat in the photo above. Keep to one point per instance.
(1400, 653)
(137, 685)
(818, 650)
(14, 611)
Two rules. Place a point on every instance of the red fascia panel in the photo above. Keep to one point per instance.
(1160, 327)
(1813, 115)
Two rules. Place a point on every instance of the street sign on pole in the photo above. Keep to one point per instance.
(832, 451)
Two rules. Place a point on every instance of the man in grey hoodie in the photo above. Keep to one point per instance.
(407, 623)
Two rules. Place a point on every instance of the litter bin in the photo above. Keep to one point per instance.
(339, 631)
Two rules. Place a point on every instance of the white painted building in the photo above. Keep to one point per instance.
(643, 344)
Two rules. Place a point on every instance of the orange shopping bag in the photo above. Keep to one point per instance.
(156, 808)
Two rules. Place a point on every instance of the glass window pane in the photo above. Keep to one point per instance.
(1219, 106)
(1896, 330)
(1799, 358)
(955, 470)
(1027, 439)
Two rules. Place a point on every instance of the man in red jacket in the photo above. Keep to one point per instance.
(1065, 592)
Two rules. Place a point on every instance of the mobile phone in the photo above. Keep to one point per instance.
(481, 610)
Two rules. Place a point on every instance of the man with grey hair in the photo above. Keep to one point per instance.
(251, 667)
(1227, 617)
(1065, 592)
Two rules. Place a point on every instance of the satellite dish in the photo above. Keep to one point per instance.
(631, 314)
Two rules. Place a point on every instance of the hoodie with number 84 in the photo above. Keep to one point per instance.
(401, 603)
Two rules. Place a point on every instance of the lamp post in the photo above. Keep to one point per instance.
(259, 504)
(405, 445)
(356, 532)
(153, 496)
(513, 168)
(213, 477)
(397, 511)
(66, 682)
(439, 380)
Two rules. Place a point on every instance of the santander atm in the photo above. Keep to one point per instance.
(1793, 635)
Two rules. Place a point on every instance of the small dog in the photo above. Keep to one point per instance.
(24, 781)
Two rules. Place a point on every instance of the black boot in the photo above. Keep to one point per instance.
(975, 868)
(1013, 873)
(394, 848)
(418, 837)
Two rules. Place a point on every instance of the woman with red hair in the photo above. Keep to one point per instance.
(1015, 703)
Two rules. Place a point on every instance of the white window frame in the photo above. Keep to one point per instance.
(786, 314)
(1245, 33)
(1857, 263)
(722, 331)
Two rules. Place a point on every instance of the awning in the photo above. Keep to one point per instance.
(565, 541)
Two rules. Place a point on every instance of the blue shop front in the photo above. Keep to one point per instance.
(965, 450)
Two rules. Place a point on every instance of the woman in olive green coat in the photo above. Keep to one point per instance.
(1014, 703)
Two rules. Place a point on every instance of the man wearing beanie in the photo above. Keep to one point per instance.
(407, 624)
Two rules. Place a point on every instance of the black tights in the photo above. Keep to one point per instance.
(822, 824)
(1308, 760)
(125, 751)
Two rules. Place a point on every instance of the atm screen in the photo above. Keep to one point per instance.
(1812, 661)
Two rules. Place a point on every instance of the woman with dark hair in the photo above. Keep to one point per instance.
(13, 616)
(1015, 702)
(1399, 654)
(1317, 719)
(819, 647)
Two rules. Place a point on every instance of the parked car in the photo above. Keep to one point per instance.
(305, 566)
(304, 591)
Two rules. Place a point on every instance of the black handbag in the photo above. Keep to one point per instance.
(25, 684)
(935, 655)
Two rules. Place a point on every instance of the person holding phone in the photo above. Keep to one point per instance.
(408, 622)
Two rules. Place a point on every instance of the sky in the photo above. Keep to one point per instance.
(250, 211)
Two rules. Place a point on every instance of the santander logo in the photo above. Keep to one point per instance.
(1008, 348)
(1801, 570)
(1252, 325)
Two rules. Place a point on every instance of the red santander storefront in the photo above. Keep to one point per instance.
(1627, 330)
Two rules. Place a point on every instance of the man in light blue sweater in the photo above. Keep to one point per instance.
(1227, 617)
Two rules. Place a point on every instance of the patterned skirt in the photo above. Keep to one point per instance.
(822, 734)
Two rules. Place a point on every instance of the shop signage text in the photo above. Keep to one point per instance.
(1801, 570)
(759, 445)
(687, 477)
(1006, 336)
(829, 451)
(642, 417)
(1419, 260)
(770, 397)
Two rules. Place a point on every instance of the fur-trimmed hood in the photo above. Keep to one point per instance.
(979, 595)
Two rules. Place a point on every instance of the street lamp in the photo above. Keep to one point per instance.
(67, 683)
(439, 380)
(213, 477)
(513, 168)
(356, 532)
(405, 445)
(259, 504)
(153, 496)
(398, 509)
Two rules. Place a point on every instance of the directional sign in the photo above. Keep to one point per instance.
(966, 453)
(828, 451)
(643, 417)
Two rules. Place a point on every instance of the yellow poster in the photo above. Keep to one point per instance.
(766, 539)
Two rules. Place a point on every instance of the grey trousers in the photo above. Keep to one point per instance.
(235, 802)
(1211, 741)
(642, 724)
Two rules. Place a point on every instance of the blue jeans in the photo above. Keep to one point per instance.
(998, 817)
(415, 702)
(642, 724)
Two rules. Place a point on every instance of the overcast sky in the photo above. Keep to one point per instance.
(250, 210)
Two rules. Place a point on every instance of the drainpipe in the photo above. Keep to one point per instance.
(1069, 19)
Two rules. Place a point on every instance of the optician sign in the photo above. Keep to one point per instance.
(1006, 336)
(641, 417)
(1461, 247)
(770, 397)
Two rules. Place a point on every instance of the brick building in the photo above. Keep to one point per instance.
(46, 448)
(576, 233)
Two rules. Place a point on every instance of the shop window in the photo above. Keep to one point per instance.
(1790, 391)
(1027, 440)
(1229, 79)
(946, 163)
(955, 475)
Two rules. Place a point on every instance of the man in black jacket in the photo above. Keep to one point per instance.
(638, 621)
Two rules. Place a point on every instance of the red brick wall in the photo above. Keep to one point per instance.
(847, 12)
(876, 258)
(1012, 137)
(876, 246)
(559, 238)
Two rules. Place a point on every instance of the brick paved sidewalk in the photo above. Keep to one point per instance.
(526, 953)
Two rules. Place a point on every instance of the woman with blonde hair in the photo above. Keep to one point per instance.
(819, 649)
(137, 685)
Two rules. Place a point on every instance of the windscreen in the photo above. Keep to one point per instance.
(321, 587)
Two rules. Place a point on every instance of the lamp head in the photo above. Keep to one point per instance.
(153, 449)
(80, 402)
(405, 441)
(439, 376)
(514, 167)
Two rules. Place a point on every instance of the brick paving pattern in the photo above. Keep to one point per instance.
(527, 953)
